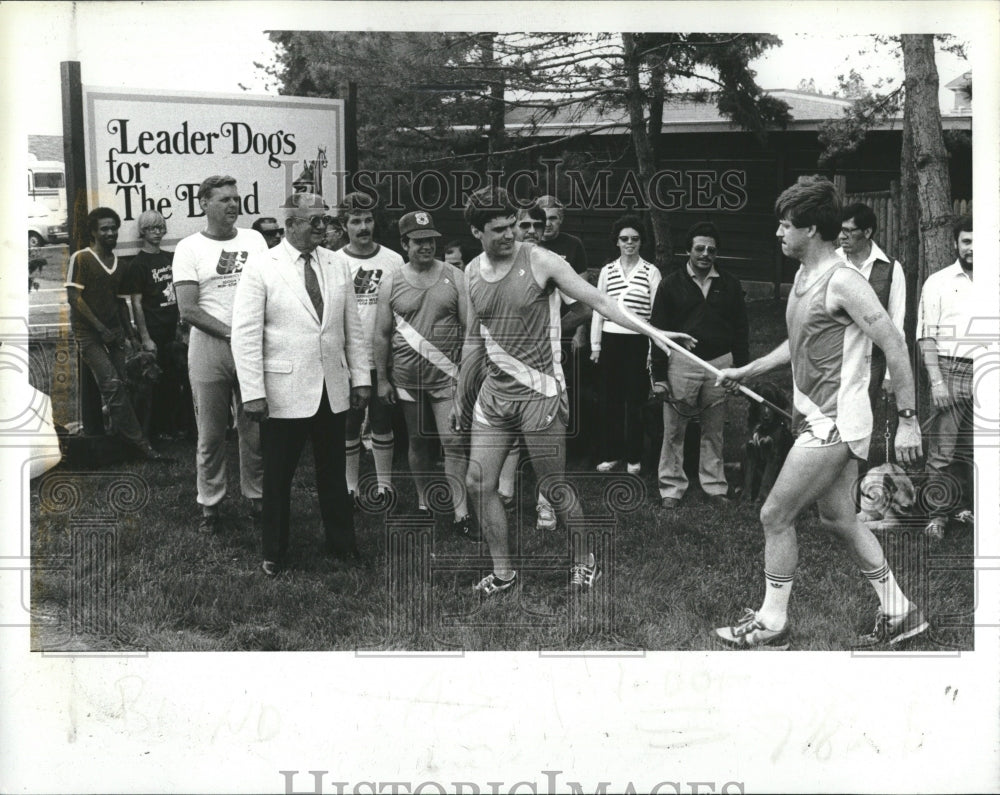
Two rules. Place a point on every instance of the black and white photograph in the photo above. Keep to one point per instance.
(458, 396)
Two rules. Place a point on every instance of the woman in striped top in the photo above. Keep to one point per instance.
(622, 353)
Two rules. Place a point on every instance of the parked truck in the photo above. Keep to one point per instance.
(46, 202)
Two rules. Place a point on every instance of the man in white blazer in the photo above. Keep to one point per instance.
(302, 361)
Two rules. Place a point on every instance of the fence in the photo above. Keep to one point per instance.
(885, 204)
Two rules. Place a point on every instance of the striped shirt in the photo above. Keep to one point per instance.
(831, 364)
(633, 291)
(520, 324)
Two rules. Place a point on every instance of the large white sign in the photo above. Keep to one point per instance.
(150, 150)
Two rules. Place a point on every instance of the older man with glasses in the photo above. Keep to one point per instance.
(302, 362)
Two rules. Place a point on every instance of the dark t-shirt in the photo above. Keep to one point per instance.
(153, 277)
(102, 289)
(570, 248)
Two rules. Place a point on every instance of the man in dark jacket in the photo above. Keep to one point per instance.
(708, 305)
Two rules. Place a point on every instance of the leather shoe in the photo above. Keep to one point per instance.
(669, 503)
(210, 524)
(719, 500)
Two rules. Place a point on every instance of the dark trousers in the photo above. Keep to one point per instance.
(282, 441)
(626, 388)
(107, 363)
(166, 398)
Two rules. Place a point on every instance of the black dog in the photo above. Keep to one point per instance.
(769, 442)
(142, 372)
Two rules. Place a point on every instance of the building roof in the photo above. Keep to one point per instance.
(681, 113)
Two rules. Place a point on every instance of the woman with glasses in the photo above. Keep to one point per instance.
(621, 353)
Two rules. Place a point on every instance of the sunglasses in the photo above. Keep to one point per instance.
(317, 222)
(531, 225)
(274, 232)
(629, 238)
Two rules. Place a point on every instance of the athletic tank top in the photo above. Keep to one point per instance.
(830, 364)
(519, 322)
(427, 341)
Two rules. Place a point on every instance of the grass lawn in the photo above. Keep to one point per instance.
(118, 564)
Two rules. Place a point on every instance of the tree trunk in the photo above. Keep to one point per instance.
(909, 225)
(642, 142)
(498, 108)
(928, 154)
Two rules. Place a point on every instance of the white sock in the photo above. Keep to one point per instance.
(382, 447)
(352, 453)
(893, 600)
(773, 614)
(543, 502)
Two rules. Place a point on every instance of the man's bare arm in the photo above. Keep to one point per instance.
(190, 312)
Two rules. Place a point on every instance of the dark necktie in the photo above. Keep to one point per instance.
(312, 286)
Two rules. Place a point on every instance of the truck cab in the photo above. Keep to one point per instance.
(46, 202)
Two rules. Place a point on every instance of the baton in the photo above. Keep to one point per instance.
(658, 334)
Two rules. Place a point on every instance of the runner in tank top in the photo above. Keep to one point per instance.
(510, 381)
(833, 317)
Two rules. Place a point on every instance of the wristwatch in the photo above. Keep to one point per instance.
(907, 413)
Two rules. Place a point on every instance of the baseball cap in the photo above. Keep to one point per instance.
(417, 225)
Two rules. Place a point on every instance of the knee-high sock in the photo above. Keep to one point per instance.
(352, 452)
(382, 447)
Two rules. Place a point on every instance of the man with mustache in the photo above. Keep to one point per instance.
(369, 264)
(207, 269)
(708, 304)
(946, 308)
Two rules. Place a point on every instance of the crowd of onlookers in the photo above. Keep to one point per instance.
(183, 307)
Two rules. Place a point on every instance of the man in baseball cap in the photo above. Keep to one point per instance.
(419, 331)
(417, 225)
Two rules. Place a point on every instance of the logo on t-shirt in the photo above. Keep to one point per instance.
(231, 262)
(367, 282)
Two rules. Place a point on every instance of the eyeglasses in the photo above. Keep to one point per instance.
(629, 238)
(846, 230)
(157, 228)
(317, 222)
(704, 249)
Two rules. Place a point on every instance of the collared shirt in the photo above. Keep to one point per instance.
(897, 290)
(295, 258)
(705, 285)
(947, 305)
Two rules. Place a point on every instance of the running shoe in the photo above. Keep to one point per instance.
(491, 585)
(893, 630)
(465, 528)
(546, 517)
(607, 466)
(749, 632)
(584, 575)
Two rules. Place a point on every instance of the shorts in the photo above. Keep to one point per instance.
(526, 416)
(437, 394)
(858, 447)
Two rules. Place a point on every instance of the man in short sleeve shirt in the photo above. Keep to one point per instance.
(207, 268)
